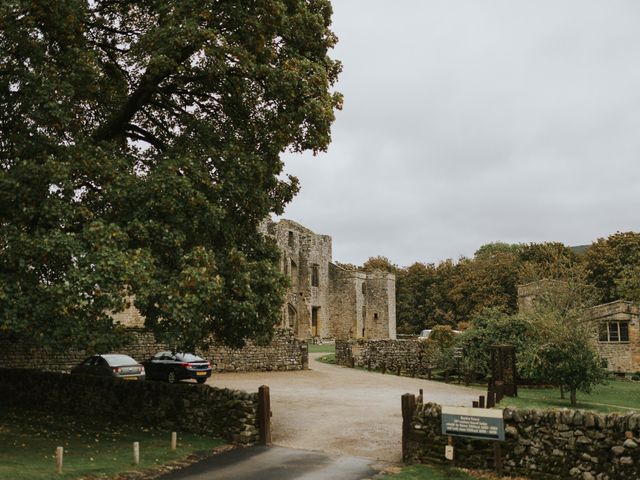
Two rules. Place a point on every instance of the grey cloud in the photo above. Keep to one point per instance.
(468, 122)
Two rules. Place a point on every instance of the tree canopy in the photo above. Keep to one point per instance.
(612, 264)
(140, 147)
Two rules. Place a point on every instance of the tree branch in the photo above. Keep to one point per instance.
(148, 86)
(139, 133)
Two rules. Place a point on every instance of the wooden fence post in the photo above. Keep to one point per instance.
(59, 456)
(264, 415)
(497, 458)
(499, 389)
(481, 401)
(408, 409)
(491, 399)
(136, 453)
(174, 440)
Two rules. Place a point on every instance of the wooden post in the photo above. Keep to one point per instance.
(59, 457)
(368, 365)
(491, 400)
(264, 415)
(481, 401)
(497, 456)
(421, 397)
(174, 440)
(474, 404)
(408, 409)
(499, 392)
(136, 453)
(399, 370)
(450, 443)
(384, 368)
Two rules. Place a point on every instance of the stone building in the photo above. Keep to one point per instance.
(324, 299)
(615, 327)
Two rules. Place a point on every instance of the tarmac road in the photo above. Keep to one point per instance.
(275, 463)
(341, 411)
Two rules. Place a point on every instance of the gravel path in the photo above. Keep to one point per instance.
(340, 410)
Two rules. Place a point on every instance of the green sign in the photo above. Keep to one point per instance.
(478, 423)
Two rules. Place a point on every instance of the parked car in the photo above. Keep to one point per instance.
(111, 365)
(425, 334)
(173, 367)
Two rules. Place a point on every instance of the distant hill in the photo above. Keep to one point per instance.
(579, 249)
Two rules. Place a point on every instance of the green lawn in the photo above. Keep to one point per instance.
(28, 442)
(329, 358)
(424, 472)
(615, 396)
(328, 348)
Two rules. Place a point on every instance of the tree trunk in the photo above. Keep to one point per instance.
(573, 396)
(562, 391)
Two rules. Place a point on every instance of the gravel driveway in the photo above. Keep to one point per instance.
(340, 410)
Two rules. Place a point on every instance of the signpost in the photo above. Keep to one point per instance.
(478, 423)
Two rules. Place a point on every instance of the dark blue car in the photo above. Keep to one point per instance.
(173, 367)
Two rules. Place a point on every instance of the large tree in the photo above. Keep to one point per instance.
(612, 264)
(140, 147)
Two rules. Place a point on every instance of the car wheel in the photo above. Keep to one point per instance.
(201, 380)
(171, 377)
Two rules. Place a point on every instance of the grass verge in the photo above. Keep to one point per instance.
(330, 358)
(615, 396)
(326, 348)
(28, 440)
(425, 472)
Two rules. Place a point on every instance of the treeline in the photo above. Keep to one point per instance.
(454, 292)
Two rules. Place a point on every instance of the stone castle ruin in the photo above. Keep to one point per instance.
(324, 299)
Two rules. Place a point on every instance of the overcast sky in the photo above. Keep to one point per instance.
(468, 122)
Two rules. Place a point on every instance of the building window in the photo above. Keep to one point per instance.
(315, 321)
(614, 332)
(315, 275)
(291, 314)
(294, 273)
(375, 316)
(290, 240)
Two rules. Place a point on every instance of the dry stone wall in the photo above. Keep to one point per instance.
(393, 355)
(200, 409)
(540, 444)
(283, 353)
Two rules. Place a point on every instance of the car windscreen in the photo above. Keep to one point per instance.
(188, 357)
(119, 360)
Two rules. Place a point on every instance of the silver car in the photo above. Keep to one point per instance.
(111, 365)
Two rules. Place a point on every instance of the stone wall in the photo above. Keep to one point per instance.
(540, 444)
(200, 409)
(284, 353)
(391, 355)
